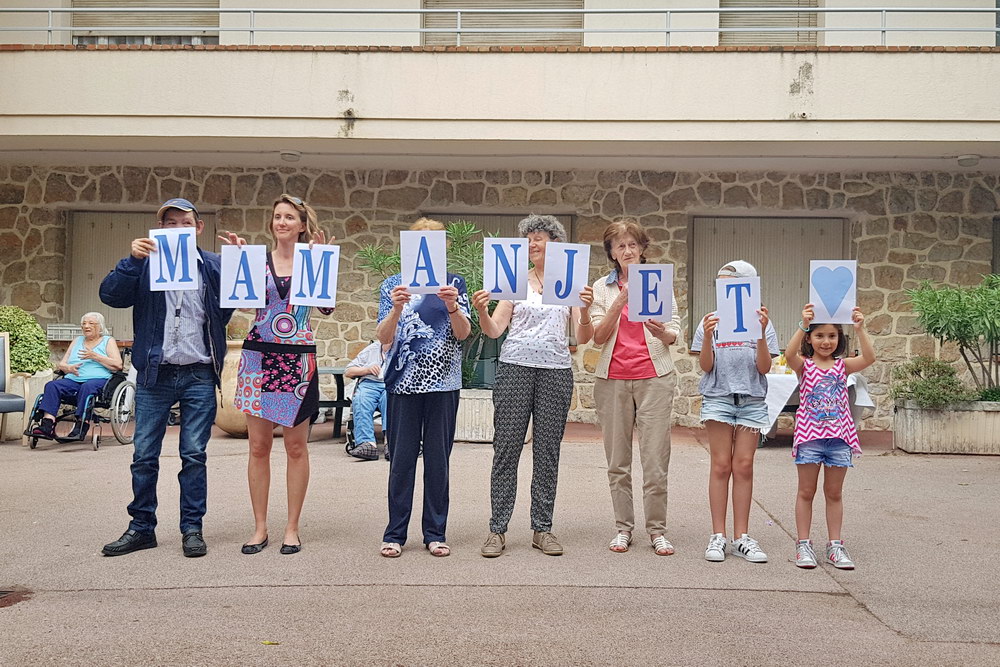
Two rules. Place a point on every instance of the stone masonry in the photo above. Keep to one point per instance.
(906, 227)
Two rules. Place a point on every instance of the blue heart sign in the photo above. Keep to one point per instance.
(833, 289)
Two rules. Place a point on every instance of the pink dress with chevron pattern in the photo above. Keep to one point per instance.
(824, 409)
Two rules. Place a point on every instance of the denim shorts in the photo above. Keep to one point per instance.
(832, 452)
(735, 410)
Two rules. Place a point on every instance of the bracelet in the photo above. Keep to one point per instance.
(806, 329)
(452, 312)
(585, 324)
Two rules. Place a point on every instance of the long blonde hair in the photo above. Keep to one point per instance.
(307, 214)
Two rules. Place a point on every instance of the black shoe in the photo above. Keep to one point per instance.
(289, 549)
(129, 541)
(254, 548)
(194, 545)
(79, 432)
(45, 429)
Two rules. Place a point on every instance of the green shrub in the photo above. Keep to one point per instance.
(931, 383)
(990, 394)
(29, 350)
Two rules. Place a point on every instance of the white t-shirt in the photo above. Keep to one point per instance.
(537, 336)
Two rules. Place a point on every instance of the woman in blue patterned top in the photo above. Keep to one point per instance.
(423, 377)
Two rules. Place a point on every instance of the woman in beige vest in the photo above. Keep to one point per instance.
(634, 389)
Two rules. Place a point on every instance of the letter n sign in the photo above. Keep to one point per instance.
(505, 268)
(174, 264)
(650, 292)
(314, 275)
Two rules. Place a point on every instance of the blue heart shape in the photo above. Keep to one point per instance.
(832, 286)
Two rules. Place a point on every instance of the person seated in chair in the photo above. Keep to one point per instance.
(87, 365)
(369, 395)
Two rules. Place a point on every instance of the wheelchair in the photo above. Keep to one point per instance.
(113, 405)
(351, 439)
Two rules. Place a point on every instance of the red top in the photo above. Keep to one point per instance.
(630, 359)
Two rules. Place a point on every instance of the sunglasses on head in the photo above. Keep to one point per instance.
(295, 200)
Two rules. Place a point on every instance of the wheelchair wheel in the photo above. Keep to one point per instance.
(95, 439)
(122, 413)
(32, 443)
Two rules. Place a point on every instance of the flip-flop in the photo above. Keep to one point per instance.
(391, 550)
(439, 549)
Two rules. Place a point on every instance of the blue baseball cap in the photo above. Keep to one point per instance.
(179, 204)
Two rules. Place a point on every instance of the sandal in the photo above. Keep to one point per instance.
(391, 550)
(439, 549)
(662, 546)
(620, 543)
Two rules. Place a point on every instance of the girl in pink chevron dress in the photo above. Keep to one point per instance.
(825, 433)
(277, 382)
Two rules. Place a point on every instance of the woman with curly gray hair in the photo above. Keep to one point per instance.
(534, 381)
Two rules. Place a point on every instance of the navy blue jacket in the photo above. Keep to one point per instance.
(128, 286)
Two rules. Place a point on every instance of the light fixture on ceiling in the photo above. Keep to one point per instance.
(295, 156)
(968, 160)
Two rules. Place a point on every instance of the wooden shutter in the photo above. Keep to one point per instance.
(109, 22)
(539, 22)
(789, 19)
(779, 248)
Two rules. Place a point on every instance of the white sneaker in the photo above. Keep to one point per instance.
(716, 551)
(747, 547)
(805, 557)
(837, 555)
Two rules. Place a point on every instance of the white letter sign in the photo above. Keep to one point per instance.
(833, 290)
(424, 261)
(737, 302)
(567, 266)
(314, 275)
(505, 268)
(244, 276)
(650, 292)
(174, 265)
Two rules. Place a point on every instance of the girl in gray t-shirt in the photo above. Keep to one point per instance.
(733, 387)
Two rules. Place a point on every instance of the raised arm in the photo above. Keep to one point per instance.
(763, 351)
(792, 353)
(492, 325)
(391, 304)
(867, 358)
(606, 319)
(583, 316)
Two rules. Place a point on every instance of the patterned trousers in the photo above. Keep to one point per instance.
(522, 393)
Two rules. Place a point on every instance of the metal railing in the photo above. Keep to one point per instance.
(665, 15)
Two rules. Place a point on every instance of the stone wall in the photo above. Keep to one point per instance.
(906, 227)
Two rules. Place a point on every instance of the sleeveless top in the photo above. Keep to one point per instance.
(89, 369)
(824, 410)
(537, 335)
(279, 323)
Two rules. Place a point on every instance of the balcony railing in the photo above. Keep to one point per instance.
(664, 19)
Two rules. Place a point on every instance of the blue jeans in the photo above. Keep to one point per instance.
(194, 387)
(369, 396)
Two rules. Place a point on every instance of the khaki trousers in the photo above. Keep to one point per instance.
(646, 406)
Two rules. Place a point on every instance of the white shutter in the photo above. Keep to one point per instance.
(109, 22)
(539, 22)
(789, 19)
(779, 248)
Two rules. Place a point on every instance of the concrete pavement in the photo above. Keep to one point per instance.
(925, 591)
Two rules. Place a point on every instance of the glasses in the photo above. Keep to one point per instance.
(294, 200)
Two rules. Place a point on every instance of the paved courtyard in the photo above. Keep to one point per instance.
(921, 528)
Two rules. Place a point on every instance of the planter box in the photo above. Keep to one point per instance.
(966, 428)
(474, 422)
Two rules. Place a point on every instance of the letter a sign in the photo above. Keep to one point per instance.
(423, 261)
(244, 276)
(314, 275)
(174, 265)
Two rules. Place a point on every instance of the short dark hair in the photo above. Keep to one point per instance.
(806, 350)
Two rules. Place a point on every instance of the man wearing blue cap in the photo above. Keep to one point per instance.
(179, 346)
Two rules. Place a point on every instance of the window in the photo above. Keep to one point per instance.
(534, 22)
(780, 249)
(789, 19)
(97, 241)
(110, 28)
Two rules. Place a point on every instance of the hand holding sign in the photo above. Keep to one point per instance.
(173, 258)
(833, 289)
(737, 308)
(423, 260)
(567, 266)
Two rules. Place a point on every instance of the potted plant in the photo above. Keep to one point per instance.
(30, 365)
(465, 258)
(935, 411)
(227, 417)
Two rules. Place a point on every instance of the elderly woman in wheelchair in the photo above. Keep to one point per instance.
(86, 367)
